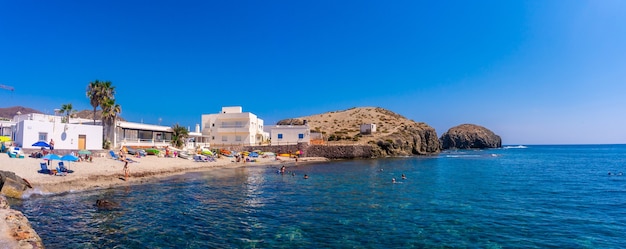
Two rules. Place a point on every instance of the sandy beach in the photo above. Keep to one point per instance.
(105, 172)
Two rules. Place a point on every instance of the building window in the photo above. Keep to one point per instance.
(280, 136)
(43, 136)
(238, 138)
(224, 138)
(213, 138)
(300, 136)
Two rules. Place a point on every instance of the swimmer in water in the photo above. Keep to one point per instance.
(403, 177)
(393, 180)
(306, 176)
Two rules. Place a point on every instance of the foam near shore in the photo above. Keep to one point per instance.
(104, 172)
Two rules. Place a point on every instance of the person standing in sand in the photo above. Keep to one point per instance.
(126, 170)
(51, 144)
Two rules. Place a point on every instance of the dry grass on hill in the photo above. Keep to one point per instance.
(344, 126)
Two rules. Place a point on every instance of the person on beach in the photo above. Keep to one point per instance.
(51, 144)
(126, 170)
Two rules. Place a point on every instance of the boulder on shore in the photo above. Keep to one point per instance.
(469, 136)
(11, 185)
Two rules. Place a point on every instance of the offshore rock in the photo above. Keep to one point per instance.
(15, 229)
(470, 136)
(11, 185)
(106, 204)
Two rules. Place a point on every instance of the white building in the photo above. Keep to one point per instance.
(148, 135)
(233, 127)
(289, 134)
(368, 128)
(76, 135)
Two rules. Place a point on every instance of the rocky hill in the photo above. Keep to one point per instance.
(9, 112)
(395, 135)
(470, 136)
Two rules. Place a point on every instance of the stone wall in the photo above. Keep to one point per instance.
(328, 151)
(340, 151)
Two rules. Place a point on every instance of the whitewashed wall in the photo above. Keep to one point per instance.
(65, 135)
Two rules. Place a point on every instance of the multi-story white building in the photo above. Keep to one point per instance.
(233, 127)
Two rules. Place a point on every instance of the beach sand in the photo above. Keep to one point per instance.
(105, 172)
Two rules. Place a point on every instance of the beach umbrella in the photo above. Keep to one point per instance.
(69, 158)
(41, 144)
(51, 157)
(84, 152)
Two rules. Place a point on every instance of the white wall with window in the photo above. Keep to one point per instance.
(66, 136)
(289, 134)
(231, 126)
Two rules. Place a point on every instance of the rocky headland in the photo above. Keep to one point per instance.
(470, 136)
(395, 135)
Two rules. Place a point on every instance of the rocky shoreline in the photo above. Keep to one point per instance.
(15, 229)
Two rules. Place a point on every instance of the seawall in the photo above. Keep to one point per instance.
(327, 151)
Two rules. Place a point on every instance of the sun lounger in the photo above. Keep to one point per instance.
(63, 169)
(60, 172)
(113, 155)
(44, 169)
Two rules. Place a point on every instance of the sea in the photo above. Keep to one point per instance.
(533, 196)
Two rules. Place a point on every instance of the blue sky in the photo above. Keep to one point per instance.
(534, 72)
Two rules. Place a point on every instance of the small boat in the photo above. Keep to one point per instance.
(152, 151)
(184, 154)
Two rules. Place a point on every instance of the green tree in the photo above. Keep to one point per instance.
(179, 135)
(67, 110)
(98, 92)
(110, 112)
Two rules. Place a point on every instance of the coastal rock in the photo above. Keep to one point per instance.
(412, 139)
(106, 204)
(394, 135)
(15, 229)
(470, 136)
(11, 185)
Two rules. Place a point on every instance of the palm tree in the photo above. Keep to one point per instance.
(180, 133)
(67, 110)
(98, 92)
(110, 112)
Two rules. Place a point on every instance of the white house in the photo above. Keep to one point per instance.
(233, 127)
(289, 134)
(148, 135)
(34, 127)
(368, 128)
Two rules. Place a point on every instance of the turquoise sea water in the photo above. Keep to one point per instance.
(514, 197)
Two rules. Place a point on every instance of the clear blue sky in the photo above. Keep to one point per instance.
(534, 72)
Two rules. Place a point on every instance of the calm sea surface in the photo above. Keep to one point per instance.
(514, 197)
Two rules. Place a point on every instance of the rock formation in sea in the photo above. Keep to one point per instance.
(394, 134)
(469, 136)
(15, 229)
